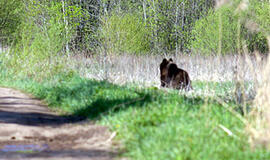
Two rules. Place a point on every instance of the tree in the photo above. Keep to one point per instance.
(10, 18)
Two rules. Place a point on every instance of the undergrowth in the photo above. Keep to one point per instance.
(151, 123)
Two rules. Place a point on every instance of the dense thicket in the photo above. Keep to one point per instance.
(10, 19)
(229, 29)
(167, 24)
(125, 26)
(132, 26)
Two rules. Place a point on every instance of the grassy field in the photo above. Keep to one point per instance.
(151, 123)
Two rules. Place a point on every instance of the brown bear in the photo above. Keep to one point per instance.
(173, 77)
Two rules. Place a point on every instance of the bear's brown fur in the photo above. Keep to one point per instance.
(173, 77)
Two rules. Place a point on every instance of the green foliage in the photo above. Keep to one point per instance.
(171, 22)
(10, 19)
(206, 32)
(125, 33)
(257, 41)
(156, 25)
(259, 12)
(166, 24)
(41, 37)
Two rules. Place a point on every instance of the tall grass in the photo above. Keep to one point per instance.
(259, 128)
(144, 68)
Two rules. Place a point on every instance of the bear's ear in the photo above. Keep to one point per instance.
(170, 60)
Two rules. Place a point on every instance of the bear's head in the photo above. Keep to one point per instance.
(164, 70)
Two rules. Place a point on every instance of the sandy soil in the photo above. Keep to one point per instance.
(29, 130)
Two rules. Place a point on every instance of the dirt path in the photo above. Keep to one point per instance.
(28, 130)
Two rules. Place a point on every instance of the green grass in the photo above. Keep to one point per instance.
(151, 123)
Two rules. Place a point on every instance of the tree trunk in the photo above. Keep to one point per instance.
(66, 25)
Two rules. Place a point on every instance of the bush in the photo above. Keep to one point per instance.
(206, 32)
(124, 33)
(258, 13)
(10, 19)
(257, 41)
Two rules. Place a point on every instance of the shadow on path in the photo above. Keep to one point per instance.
(30, 111)
(36, 119)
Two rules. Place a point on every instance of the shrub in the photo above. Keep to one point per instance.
(206, 32)
(124, 33)
(257, 41)
(258, 13)
(10, 19)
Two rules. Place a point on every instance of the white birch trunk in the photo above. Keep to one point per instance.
(66, 25)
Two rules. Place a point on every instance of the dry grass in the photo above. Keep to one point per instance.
(145, 69)
(259, 127)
